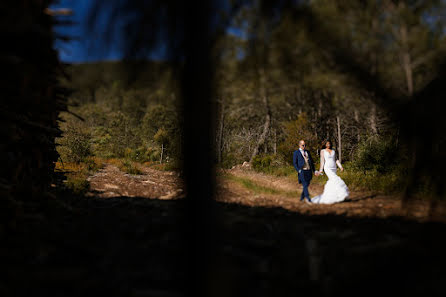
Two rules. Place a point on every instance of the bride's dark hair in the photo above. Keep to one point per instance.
(325, 142)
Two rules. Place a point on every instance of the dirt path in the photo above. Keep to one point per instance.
(266, 190)
(111, 182)
(286, 192)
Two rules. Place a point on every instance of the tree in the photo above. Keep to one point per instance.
(161, 137)
(32, 98)
(159, 116)
(294, 131)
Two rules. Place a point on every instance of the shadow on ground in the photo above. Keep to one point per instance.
(135, 247)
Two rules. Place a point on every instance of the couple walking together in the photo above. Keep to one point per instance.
(335, 190)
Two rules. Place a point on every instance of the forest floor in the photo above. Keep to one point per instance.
(128, 237)
(110, 182)
(248, 187)
(251, 188)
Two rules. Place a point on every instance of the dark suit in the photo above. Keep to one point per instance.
(304, 176)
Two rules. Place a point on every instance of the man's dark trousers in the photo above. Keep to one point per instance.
(305, 177)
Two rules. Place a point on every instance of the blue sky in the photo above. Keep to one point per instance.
(80, 48)
(89, 45)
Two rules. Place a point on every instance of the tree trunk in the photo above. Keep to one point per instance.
(162, 151)
(262, 137)
(338, 120)
(373, 125)
(357, 122)
(267, 123)
(275, 142)
(402, 37)
(406, 60)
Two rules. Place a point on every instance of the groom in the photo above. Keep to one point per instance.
(303, 163)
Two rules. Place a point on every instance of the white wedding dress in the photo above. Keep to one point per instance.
(335, 190)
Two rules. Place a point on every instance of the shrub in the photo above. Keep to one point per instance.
(120, 133)
(75, 144)
(129, 167)
(172, 165)
(373, 180)
(77, 183)
(261, 163)
(228, 160)
(266, 163)
(93, 163)
(137, 155)
(152, 154)
(379, 154)
(159, 116)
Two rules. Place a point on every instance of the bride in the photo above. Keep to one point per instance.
(335, 190)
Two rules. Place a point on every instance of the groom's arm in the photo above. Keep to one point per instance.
(295, 163)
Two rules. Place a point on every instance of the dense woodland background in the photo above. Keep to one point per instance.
(275, 83)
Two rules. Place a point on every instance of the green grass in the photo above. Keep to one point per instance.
(259, 189)
(278, 170)
(371, 180)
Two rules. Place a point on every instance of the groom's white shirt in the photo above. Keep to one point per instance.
(305, 155)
